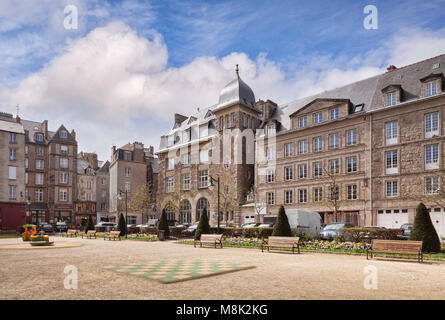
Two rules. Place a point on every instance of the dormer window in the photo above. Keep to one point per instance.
(63, 134)
(430, 88)
(302, 122)
(391, 98)
(318, 118)
(333, 114)
(39, 137)
(270, 130)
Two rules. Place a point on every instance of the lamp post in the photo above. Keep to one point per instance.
(126, 208)
(212, 185)
(28, 203)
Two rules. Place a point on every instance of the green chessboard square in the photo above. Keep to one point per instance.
(175, 270)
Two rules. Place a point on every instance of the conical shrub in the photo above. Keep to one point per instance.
(90, 224)
(122, 225)
(423, 230)
(203, 225)
(163, 224)
(282, 227)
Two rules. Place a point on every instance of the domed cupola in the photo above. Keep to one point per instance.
(236, 91)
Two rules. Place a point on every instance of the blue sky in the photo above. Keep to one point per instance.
(285, 41)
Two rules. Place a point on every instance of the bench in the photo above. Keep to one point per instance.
(281, 243)
(396, 247)
(113, 235)
(90, 234)
(213, 239)
(70, 233)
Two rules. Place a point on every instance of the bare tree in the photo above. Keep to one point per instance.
(433, 192)
(332, 199)
(143, 199)
(174, 200)
(229, 201)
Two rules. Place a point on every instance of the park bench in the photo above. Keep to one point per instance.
(90, 234)
(396, 247)
(113, 235)
(213, 239)
(282, 243)
(70, 233)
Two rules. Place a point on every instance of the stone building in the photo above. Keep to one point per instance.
(103, 191)
(365, 153)
(85, 204)
(131, 168)
(12, 172)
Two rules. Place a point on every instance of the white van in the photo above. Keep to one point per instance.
(308, 222)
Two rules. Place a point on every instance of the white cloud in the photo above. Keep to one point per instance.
(113, 86)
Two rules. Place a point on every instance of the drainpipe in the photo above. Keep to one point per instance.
(370, 168)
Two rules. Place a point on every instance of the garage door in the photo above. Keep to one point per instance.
(391, 218)
(438, 219)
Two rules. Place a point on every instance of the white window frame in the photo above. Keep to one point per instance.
(351, 164)
(431, 125)
(318, 194)
(288, 196)
(318, 118)
(430, 88)
(389, 189)
(270, 175)
(12, 173)
(302, 147)
(63, 177)
(203, 179)
(333, 114)
(288, 149)
(169, 184)
(185, 181)
(432, 156)
(302, 122)
(334, 141)
(288, 173)
(39, 181)
(351, 192)
(432, 185)
(317, 144)
(392, 162)
(302, 171)
(391, 98)
(391, 132)
(302, 195)
(351, 137)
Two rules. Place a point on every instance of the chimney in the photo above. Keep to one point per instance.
(391, 68)
(73, 133)
(17, 119)
(45, 128)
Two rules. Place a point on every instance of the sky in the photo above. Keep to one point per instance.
(130, 65)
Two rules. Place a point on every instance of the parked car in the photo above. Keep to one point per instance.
(183, 225)
(105, 226)
(61, 226)
(190, 231)
(46, 227)
(132, 228)
(266, 225)
(307, 222)
(333, 229)
(250, 225)
(151, 223)
(407, 228)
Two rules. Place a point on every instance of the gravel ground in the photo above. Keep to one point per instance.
(39, 274)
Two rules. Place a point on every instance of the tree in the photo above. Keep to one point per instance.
(143, 199)
(203, 225)
(333, 199)
(228, 197)
(423, 230)
(90, 224)
(122, 225)
(163, 224)
(282, 227)
(174, 199)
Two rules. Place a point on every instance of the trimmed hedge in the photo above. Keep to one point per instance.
(357, 234)
(282, 227)
(423, 230)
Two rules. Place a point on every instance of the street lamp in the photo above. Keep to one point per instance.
(212, 185)
(28, 203)
(126, 208)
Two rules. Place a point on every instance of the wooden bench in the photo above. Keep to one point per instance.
(281, 243)
(113, 235)
(396, 247)
(71, 233)
(214, 239)
(90, 234)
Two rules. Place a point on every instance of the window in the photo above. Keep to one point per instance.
(170, 163)
(39, 164)
(351, 137)
(185, 160)
(39, 178)
(185, 181)
(318, 194)
(221, 123)
(63, 162)
(352, 192)
(391, 162)
(390, 99)
(333, 141)
(288, 173)
(334, 166)
(302, 122)
(88, 184)
(26, 163)
(302, 196)
(26, 178)
(63, 134)
(64, 149)
(391, 132)
(127, 155)
(333, 114)
(302, 147)
(104, 181)
(431, 124)
(39, 137)
(204, 156)
(318, 144)
(12, 138)
(26, 149)
(12, 192)
(63, 195)
(334, 193)
(12, 173)
(270, 175)
(103, 194)
(351, 164)
(169, 184)
(127, 172)
(318, 118)
(270, 153)
(318, 169)
(270, 196)
(128, 186)
(432, 185)
(203, 179)
(302, 171)
(288, 149)
(432, 157)
(391, 188)
(38, 195)
(288, 197)
(185, 212)
(270, 130)
(430, 88)
(227, 122)
(12, 154)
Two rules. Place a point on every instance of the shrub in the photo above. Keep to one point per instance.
(357, 234)
(282, 227)
(257, 232)
(303, 236)
(122, 225)
(90, 224)
(423, 230)
(163, 224)
(203, 225)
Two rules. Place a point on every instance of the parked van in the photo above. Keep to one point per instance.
(308, 222)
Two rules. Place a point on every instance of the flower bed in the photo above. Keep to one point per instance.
(132, 236)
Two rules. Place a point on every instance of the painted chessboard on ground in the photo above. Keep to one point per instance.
(175, 270)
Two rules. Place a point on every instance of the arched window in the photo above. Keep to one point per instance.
(202, 204)
(185, 212)
(170, 212)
